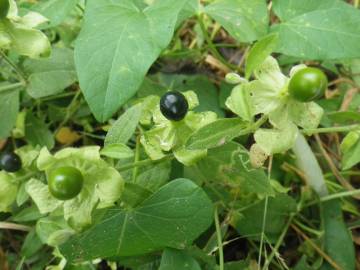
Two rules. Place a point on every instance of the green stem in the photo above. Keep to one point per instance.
(10, 87)
(278, 243)
(334, 196)
(330, 129)
(211, 45)
(219, 239)
(69, 111)
(143, 163)
(306, 228)
(15, 68)
(14, 226)
(137, 157)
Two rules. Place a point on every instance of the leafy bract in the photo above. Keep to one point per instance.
(51, 76)
(18, 33)
(8, 189)
(103, 185)
(170, 210)
(244, 20)
(116, 47)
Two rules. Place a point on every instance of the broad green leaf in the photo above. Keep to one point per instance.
(314, 35)
(250, 221)
(55, 10)
(239, 102)
(258, 53)
(337, 238)
(9, 106)
(134, 194)
(170, 210)
(230, 164)
(123, 129)
(37, 133)
(344, 117)
(173, 259)
(117, 151)
(189, 157)
(244, 20)
(309, 165)
(51, 76)
(216, 133)
(286, 9)
(116, 47)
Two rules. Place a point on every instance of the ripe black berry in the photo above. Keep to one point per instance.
(10, 162)
(174, 106)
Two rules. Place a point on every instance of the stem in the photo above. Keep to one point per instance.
(14, 226)
(69, 111)
(318, 250)
(334, 196)
(10, 87)
(265, 214)
(219, 239)
(15, 68)
(137, 157)
(278, 243)
(144, 162)
(330, 129)
(211, 45)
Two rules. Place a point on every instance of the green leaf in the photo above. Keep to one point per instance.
(116, 47)
(351, 157)
(173, 259)
(170, 210)
(216, 133)
(123, 129)
(286, 9)
(37, 133)
(51, 76)
(134, 194)
(9, 106)
(230, 164)
(338, 242)
(244, 20)
(258, 53)
(55, 10)
(250, 220)
(117, 151)
(314, 36)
